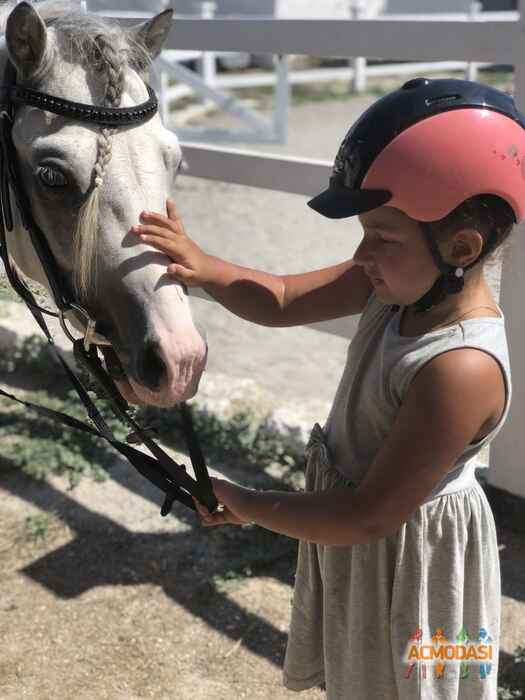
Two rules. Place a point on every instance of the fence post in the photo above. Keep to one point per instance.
(207, 65)
(474, 10)
(282, 98)
(358, 63)
(207, 62)
(507, 454)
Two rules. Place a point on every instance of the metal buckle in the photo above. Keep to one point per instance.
(90, 332)
(90, 327)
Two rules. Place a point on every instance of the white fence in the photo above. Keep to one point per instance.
(210, 85)
(500, 42)
(358, 70)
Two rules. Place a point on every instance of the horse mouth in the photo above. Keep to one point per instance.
(113, 364)
(135, 393)
(116, 372)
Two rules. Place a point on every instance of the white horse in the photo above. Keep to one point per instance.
(87, 186)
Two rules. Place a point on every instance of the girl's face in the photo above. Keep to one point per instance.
(395, 255)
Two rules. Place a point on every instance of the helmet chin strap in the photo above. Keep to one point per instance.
(447, 283)
(451, 280)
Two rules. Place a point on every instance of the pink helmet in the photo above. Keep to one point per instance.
(426, 148)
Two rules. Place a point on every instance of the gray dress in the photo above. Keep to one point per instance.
(358, 611)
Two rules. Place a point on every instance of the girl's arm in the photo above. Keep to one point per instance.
(260, 297)
(447, 403)
(315, 517)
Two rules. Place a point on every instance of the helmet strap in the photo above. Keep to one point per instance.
(451, 280)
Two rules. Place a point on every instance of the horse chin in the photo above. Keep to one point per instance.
(138, 394)
(128, 393)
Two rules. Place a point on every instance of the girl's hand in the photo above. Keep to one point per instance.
(235, 500)
(191, 265)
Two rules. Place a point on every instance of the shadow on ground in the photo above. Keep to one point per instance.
(193, 566)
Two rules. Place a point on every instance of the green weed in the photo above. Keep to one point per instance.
(40, 446)
(37, 526)
(36, 444)
(512, 677)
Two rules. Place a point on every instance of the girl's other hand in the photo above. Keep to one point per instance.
(191, 265)
(234, 500)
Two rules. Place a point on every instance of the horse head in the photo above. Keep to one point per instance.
(86, 186)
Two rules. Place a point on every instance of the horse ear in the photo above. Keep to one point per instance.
(25, 37)
(153, 33)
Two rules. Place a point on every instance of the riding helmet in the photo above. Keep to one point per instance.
(427, 147)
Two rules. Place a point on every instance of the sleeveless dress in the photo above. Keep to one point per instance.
(366, 618)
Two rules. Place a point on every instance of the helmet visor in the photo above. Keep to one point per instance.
(338, 202)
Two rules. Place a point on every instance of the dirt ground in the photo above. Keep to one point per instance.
(102, 598)
(112, 601)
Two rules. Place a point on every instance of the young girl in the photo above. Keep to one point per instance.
(398, 570)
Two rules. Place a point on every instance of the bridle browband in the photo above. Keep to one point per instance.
(161, 470)
(101, 116)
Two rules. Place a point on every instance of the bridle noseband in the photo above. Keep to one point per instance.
(161, 470)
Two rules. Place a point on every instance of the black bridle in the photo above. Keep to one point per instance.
(161, 469)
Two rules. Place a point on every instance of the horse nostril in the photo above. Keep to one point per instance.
(151, 370)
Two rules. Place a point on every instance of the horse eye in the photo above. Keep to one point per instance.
(51, 177)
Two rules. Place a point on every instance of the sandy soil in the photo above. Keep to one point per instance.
(117, 603)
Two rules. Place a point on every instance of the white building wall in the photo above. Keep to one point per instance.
(129, 5)
(297, 9)
(325, 9)
(280, 9)
(424, 6)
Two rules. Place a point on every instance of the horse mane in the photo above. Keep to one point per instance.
(109, 49)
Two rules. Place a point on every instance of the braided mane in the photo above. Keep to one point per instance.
(85, 240)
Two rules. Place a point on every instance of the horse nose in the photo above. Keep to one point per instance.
(150, 367)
